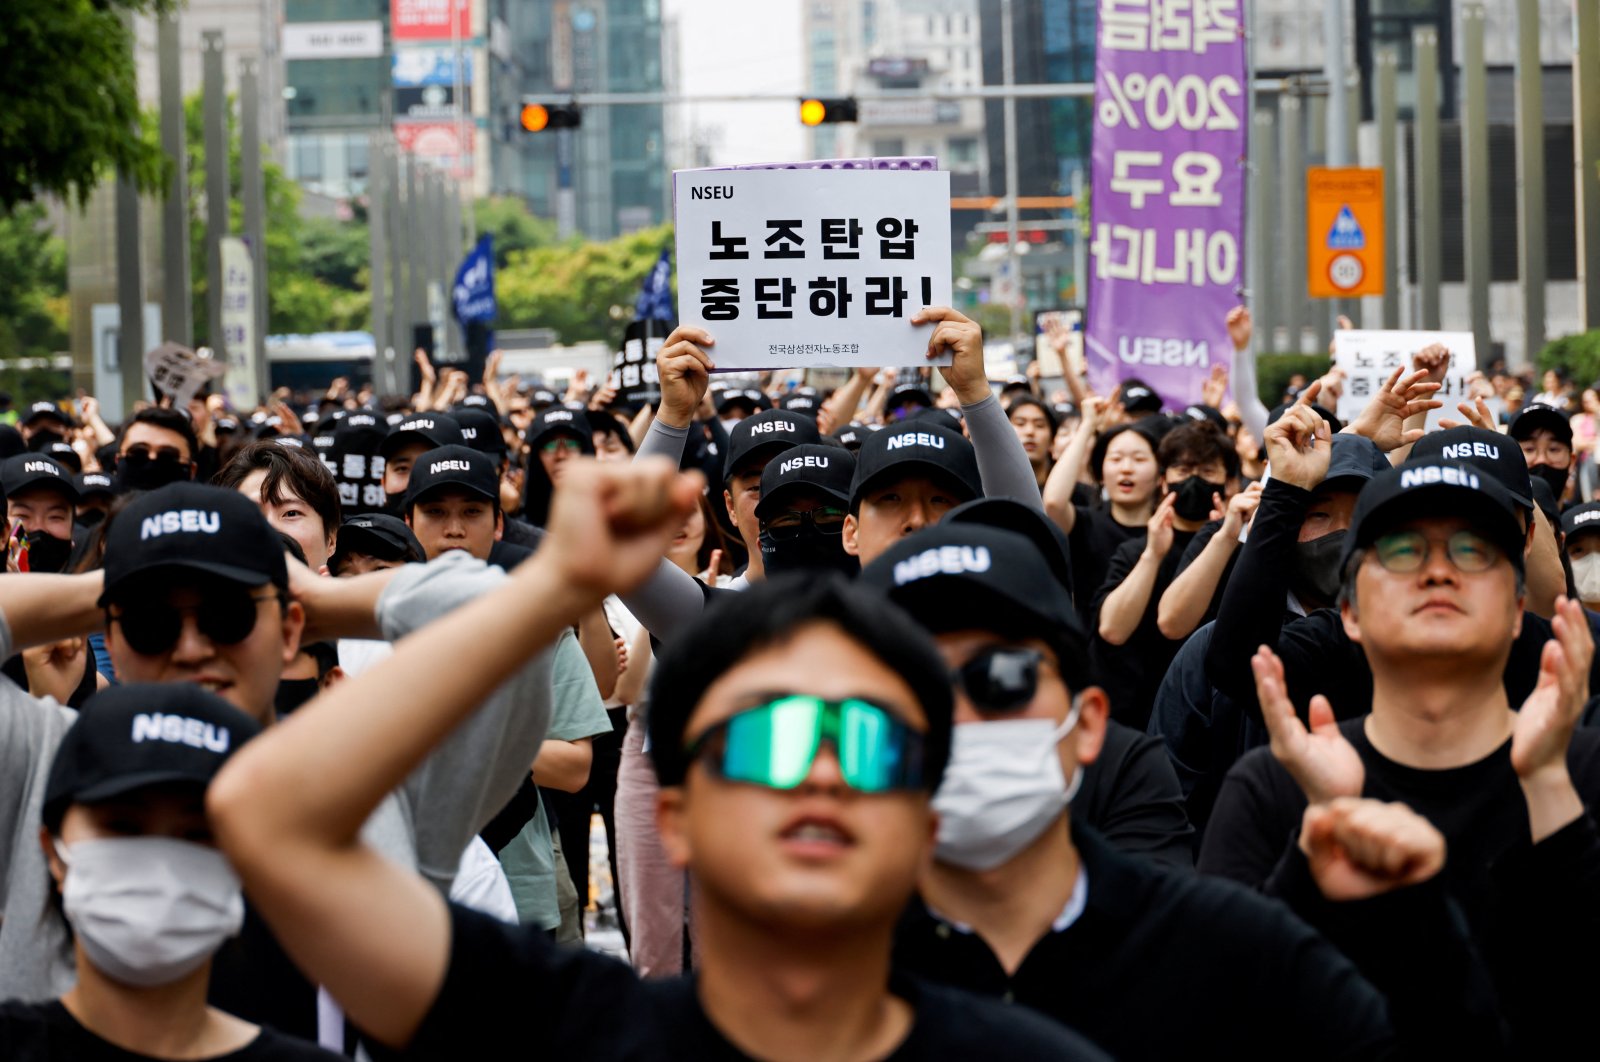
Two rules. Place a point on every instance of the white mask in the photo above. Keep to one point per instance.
(1002, 789)
(149, 910)
(1586, 577)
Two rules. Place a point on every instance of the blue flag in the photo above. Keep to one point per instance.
(655, 298)
(473, 294)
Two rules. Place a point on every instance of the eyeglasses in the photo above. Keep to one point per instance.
(774, 744)
(551, 446)
(1000, 680)
(226, 619)
(1407, 551)
(828, 520)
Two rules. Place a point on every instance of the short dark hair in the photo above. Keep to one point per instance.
(1049, 414)
(1196, 443)
(173, 420)
(770, 612)
(290, 470)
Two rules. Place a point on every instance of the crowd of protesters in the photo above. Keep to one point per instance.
(927, 716)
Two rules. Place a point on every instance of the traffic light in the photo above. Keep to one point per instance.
(537, 117)
(822, 111)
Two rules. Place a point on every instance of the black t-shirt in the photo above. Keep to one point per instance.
(1536, 927)
(1094, 539)
(1162, 965)
(1131, 795)
(511, 985)
(1131, 673)
(47, 1032)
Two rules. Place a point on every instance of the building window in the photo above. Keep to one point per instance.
(961, 149)
(308, 158)
(356, 156)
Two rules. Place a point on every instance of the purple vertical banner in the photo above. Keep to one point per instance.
(1167, 215)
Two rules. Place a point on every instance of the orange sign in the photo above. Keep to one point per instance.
(1344, 232)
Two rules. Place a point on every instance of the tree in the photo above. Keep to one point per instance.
(316, 267)
(33, 300)
(572, 287)
(71, 108)
(514, 229)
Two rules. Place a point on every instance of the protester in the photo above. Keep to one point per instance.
(148, 897)
(1432, 594)
(810, 876)
(158, 446)
(296, 492)
(1035, 424)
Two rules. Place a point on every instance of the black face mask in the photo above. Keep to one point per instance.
(394, 504)
(90, 517)
(292, 693)
(809, 551)
(44, 438)
(1316, 569)
(46, 552)
(1193, 497)
(138, 471)
(1555, 477)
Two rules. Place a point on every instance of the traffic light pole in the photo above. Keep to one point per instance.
(1009, 108)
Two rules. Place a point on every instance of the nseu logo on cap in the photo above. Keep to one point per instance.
(1430, 475)
(448, 466)
(915, 438)
(803, 462)
(174, 521)
(942, 560)
(555, 415)
(48, 467)
(1584, 518)
(763, 427)
(180, 730)
(1466, 451)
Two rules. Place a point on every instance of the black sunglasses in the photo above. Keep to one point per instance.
(226, 619)
(1000, 680)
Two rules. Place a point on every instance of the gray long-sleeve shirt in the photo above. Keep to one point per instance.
(671, 598)
(425, 824)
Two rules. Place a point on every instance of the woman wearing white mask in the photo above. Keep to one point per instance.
(147, 896)
(1026, 902)
(1581, 527)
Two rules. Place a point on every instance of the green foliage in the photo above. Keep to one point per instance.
(1274, 370)
(316, 267)
(33, 301)
(573, 287)
(514, 229)
(71, 108)
(1579, 354)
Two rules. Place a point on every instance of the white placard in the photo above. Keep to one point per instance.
(802, 268)
(332, 40)
(179, 371)
(1370, 357)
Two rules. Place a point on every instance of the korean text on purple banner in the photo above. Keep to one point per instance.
(801, 268)
(1170, 121)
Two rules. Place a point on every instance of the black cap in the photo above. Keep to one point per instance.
(11, 441)
(907, 394)
(62, 451)
(1536, 415)
(47, 409)
(473, 402)
(768, 432)
(561, 420)
(193, 527)
(1137, 396)
(915, 445)
(435, 429)
(749, 397)
(129, 737)
(377, 535)
(92, 484)
(852, 435)
(480, 429)
(360, 432)
(453, 466)
(800, 402)
(1420, 489)
(1488, 450)
(1581, 519)
(542, 397)
(24, 472)
(1029, 521)
(809, 466)
(966, 576)
(1208, 413)
(1354, 459)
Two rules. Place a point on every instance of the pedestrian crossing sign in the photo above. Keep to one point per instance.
(1344, 232)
